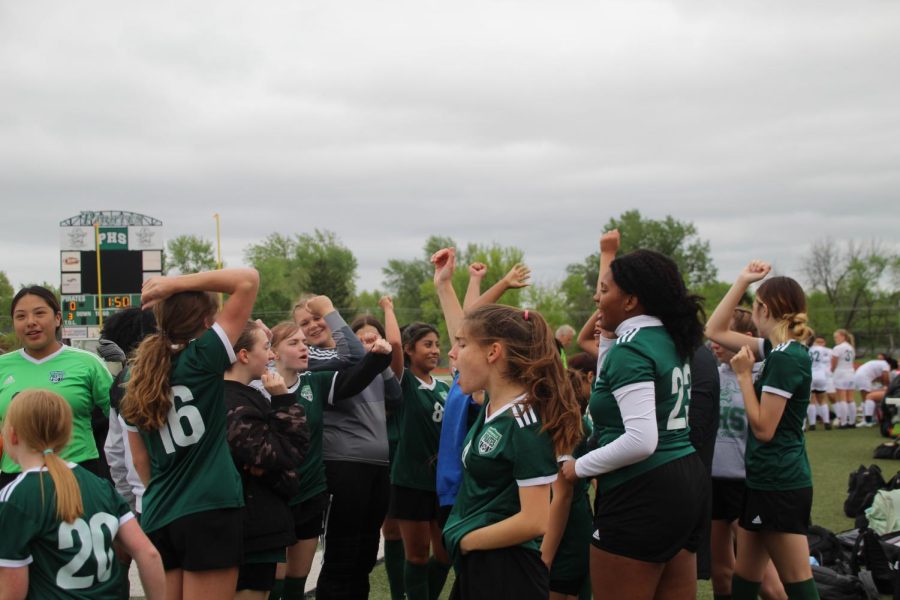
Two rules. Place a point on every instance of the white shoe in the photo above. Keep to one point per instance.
(866, 424)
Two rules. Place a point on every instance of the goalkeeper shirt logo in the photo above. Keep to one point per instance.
(57, 376)
(488, 441)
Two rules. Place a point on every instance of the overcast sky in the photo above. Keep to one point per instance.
(528, 123)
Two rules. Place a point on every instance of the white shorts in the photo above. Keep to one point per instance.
(844, 380)
(820, 381)
(862, 384)
(829, 386)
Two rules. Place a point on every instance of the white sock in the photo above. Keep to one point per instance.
(869, 408)
(823, 413)
(851, 409)
(840, 410)
(811, 414)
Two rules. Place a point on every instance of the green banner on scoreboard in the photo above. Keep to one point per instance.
(114, 238)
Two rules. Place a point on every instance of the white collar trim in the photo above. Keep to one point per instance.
(637, 323)
(504, 408)
(39, 361)
(71, 465)
(425, 386)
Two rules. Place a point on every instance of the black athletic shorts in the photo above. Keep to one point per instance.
(258, 577)
(783, 512)
(727, 499)
(503, 573)
(203, 541)
(309, 517)
(655, 515)
(411, 504)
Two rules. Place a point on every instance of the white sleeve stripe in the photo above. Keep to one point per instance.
(129, 427)
(536, 481)
(331, 389)
(632, 387)
(761, 350)
(14, 564)
(228, 347)
(125, 518)
(777, 392)
(518, 420)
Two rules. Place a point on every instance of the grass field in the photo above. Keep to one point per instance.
(833, 454)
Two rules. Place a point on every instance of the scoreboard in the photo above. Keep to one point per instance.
(129, 251)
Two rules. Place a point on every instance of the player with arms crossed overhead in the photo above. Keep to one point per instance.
(175, 410)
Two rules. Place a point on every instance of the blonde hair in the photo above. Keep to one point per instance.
(43, 422)
(848, 337)
(787, 305)
(301, 303)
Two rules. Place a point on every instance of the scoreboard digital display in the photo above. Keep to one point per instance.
(130, 250)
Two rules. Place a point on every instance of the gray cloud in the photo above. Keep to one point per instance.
(530, 123)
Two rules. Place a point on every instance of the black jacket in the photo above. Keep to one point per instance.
(268, 442)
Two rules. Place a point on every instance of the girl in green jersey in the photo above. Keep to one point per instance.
(175, 409)
(778, 499)
(44, 362)
(510, 453)
(651, 484)
(58, 534)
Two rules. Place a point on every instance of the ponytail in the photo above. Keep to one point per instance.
(180, 318)
(847, 336)
(43, 422)
(792, 326)
(532, 358)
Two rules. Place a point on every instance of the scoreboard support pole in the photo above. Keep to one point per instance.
(99, 277)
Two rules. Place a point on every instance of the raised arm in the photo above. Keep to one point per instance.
(477, 271)
(587, 337)
(352, 381)
(444, 262)
(516, 278)
(392, 333)
(348, 347)
(240, 284)
(717, 325)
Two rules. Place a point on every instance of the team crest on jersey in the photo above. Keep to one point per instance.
(57, 376)
(306, 393)
(9, 380)
(443, 394)
(489, 440)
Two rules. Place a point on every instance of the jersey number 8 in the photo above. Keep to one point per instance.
(438, 415)
(172, 432)
(92, 539)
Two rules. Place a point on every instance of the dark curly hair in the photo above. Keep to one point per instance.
(655, 280)
(128, 327)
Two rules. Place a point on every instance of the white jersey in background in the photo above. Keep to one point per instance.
(868, 372)
(820, 356)
(843, 370)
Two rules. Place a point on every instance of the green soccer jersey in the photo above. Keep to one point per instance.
(572, 558)
(64, 560)
(502, 452)
(78, 376)
(781, 463)
(314, 389)
(419, 417)
(643, 353)
(191, 466)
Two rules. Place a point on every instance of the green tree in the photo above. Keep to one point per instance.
(676, 239)
(411, 284)
(288, 266)
(6, 295)
(190, 254)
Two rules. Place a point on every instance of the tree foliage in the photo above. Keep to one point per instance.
(854, 286)
(410, 281)
(676, 239)
(288, 266)
(190, 254)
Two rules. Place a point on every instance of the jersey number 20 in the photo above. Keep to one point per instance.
(173, 432)
(92, 540)
(681, 383)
